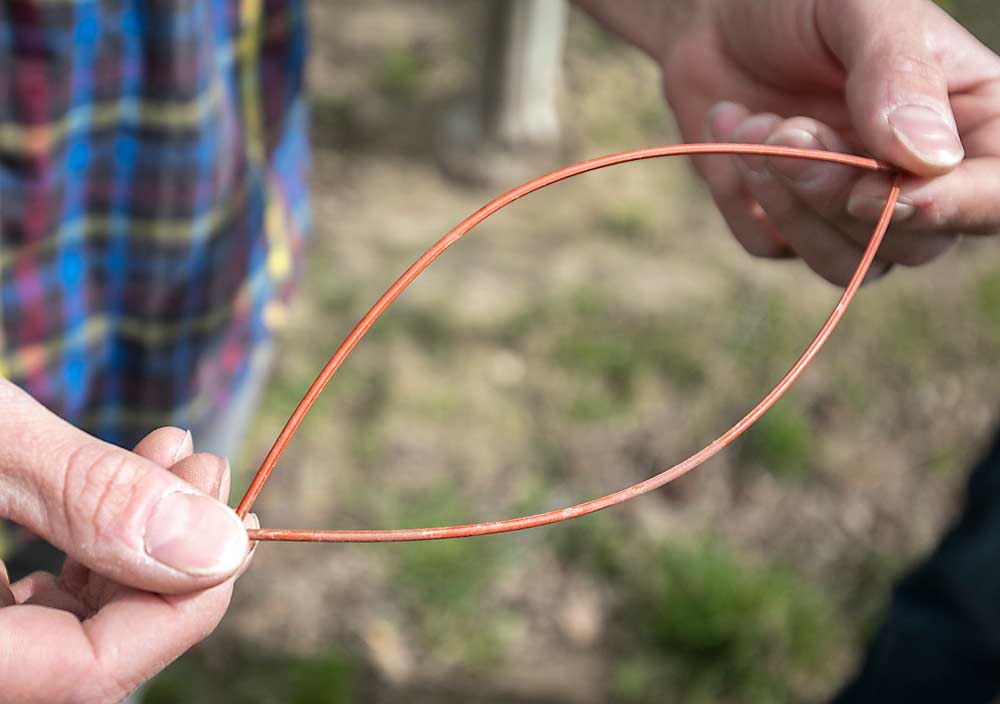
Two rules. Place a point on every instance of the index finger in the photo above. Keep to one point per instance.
(963, 201)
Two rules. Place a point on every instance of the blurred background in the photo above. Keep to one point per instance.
(580, 341)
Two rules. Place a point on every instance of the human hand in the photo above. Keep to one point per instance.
(897, 79)
(152, 556)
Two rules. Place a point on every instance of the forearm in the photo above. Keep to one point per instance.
(647, 24)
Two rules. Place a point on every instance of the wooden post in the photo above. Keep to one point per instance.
(512, 125)
(523, 70)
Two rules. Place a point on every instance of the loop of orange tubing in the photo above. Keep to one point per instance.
(669, 474)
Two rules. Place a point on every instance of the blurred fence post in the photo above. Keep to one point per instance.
(515, 110)
(523, 70)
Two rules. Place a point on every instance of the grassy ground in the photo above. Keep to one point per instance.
(589, 336)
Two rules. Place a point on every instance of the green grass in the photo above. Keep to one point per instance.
(631, 223)
(427, 327)
(873, 574)
(782, 442)
(592, 544)
(330, 678)
(769, 329)
(400, 73)
(442, 573)
(610, 352)
(443, 584)
(699, 621)
(987, 297)
(715, 629)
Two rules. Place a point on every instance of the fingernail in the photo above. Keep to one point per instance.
(184, 448)
(713, 128)
(755, 130)
(802, 170)
(251, 522)
(870, 209)
(927, 134)
(196, 535)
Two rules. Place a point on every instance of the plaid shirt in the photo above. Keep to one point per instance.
(152, 201)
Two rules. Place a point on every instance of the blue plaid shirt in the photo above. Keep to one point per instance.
(152, 201)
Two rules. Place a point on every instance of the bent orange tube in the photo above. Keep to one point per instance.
(582, 509)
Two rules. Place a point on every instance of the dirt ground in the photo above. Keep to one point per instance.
(578, 342)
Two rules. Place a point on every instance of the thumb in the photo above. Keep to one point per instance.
(897, 88)
(116, 512)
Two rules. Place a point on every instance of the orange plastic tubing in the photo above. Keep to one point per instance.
(582, 509)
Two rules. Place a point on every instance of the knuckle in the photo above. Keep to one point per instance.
(800, 122)
(909, 50)
(921, 66)
(98, 486)
(825, 190)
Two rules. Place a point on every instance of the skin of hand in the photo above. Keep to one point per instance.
(896, 79)
(153, 553)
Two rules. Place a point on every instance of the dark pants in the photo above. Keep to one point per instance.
(940, 641)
